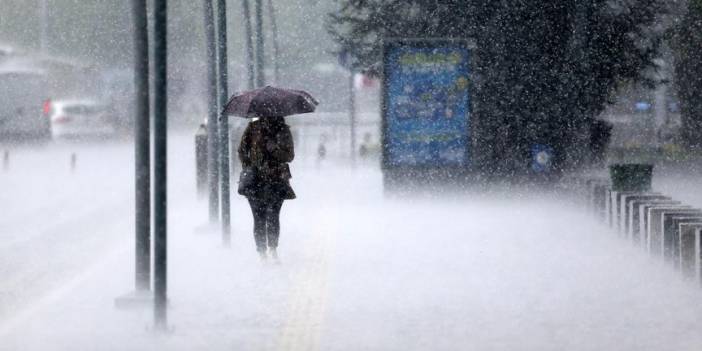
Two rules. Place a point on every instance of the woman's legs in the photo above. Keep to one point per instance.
(273, 222)
(259, 211)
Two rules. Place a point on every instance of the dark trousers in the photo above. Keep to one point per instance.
(266, 216)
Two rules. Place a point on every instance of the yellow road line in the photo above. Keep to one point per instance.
(309, 295)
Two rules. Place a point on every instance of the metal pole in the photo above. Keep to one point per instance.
(583, 56)
(260, 75)
(43, 26)
(212, 113)
(276, 46)
(160, 163)
(142, 152)
(223, 121)
(352, 117)
(249, 44)
(201, 160)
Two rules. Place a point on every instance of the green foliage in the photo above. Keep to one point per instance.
(544, 69)
(688, 70)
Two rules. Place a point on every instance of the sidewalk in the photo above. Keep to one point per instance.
(364, 272)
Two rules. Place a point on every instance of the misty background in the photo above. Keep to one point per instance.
(97, 34)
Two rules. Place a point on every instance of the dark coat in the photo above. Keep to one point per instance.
(267, 147)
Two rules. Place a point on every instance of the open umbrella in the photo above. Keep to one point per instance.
(269, 102)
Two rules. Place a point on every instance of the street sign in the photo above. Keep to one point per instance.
(541, 158)
(344, 58)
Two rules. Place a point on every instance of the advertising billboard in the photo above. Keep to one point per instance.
(426, 104)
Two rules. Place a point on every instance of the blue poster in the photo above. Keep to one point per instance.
(427, 105)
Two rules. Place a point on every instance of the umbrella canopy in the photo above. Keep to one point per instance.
(269, 102)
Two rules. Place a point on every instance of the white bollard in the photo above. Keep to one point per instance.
(688, 261)
(73, 162)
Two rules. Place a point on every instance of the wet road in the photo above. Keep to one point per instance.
(498, 270)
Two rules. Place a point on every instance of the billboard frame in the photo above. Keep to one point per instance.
(420, 171)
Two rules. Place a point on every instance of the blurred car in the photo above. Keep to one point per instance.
(76, 119)
(23, 106)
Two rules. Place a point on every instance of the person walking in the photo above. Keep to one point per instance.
(265, 150)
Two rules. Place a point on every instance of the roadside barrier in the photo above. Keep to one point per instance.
(663, 227)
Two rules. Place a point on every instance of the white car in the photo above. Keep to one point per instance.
(80, 119)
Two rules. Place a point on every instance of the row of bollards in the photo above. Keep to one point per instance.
(660, 225)
(72, 161)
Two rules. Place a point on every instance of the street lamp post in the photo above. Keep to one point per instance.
(260, 75)
(142, 164)
(43, 27)
(160, 164)
(249, 44)
(345, 60)
(581, 53)
(276, 46)
(352, 116)
(142, 150)
(212, 114)
(223, 121)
